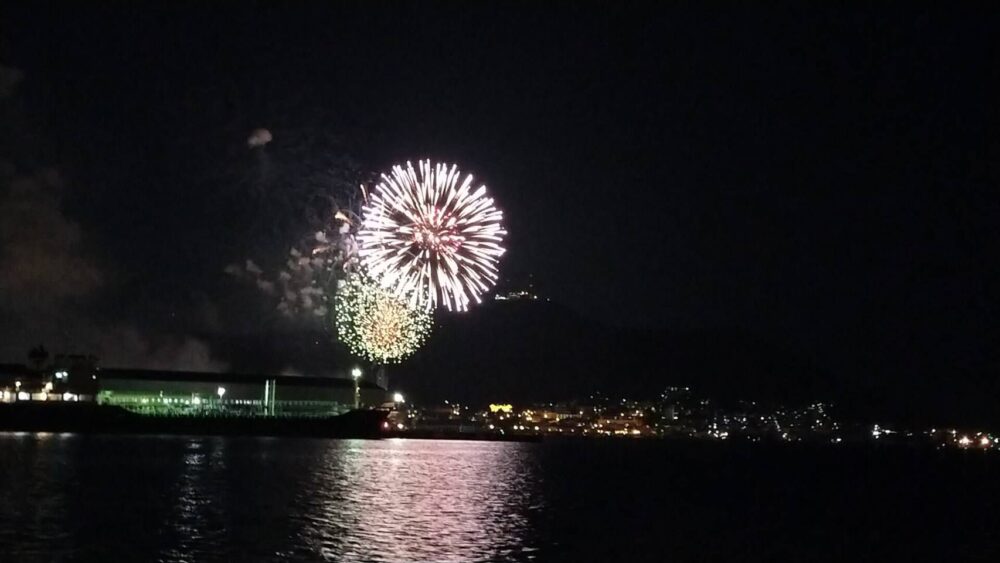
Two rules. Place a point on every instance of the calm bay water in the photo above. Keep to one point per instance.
(132, 498)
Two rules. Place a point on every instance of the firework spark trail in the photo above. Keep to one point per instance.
(430, 238)
(377, 326)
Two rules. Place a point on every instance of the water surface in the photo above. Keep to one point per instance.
(173, 499)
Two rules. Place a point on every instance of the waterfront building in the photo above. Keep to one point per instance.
(176, 392)
(180, 393)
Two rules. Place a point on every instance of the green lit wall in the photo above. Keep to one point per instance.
(189, 398)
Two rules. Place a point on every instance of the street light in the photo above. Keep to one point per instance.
(398, 398)
(221, 391)
(356, 374)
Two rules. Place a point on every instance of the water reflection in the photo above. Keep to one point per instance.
(399, 500)
(172, 499)
(196, 520)
(32, 495)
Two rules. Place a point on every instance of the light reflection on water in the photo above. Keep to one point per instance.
(173, 499)
(205, 498)
(416, 500)
(196, 514)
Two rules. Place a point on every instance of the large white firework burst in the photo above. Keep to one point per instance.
(430, 237)
(375, 325)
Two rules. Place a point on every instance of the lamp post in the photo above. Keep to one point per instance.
(356, 374)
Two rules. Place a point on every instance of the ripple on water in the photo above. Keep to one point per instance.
(206, 499)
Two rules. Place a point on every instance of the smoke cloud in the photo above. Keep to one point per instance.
(51, 277)
(126, 346)
(42, 255)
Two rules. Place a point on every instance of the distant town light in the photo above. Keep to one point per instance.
(23, 396)
(964, 441)
(67, 396)
(397, 398)
(17, 385)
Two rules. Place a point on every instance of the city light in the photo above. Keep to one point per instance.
(674, 414)
(356, 374)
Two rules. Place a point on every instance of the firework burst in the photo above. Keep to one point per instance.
(375, 325)
(430, 238)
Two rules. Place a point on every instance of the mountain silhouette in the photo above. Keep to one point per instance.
(541, 351)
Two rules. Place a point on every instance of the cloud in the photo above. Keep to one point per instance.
(43, 258)
(266, 286)
(9, 79)
(254, 268)
(62, 286)
(126, 346)
(259, 138)
(48, 272)
(54, 288)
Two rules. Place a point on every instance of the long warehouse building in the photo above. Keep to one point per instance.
(162, 392)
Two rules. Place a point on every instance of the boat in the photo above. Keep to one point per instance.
(93, 418)
(76, 396)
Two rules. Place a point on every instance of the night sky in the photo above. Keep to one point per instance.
(823, 179)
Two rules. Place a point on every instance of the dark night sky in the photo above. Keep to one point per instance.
(822, 178)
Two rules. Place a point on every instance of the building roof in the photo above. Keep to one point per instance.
(21, 370)
(213, 377)
(16, 370)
